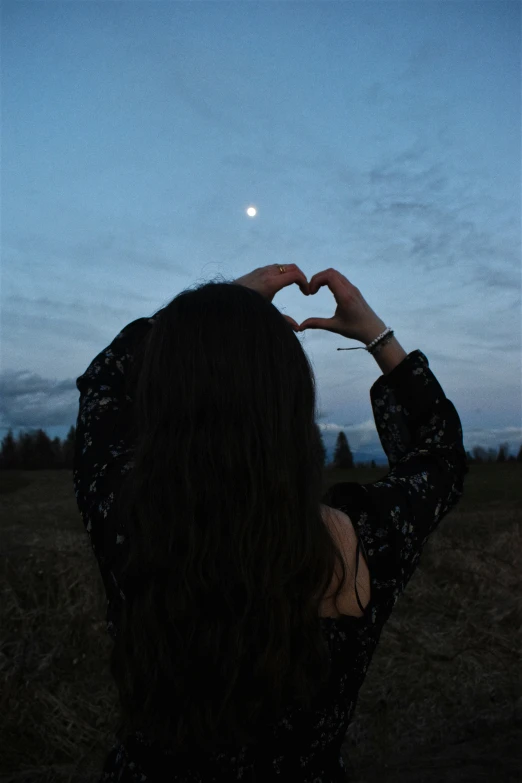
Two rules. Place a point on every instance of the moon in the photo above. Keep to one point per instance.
(251, 211)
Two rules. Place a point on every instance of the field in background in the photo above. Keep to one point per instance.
(442, 700)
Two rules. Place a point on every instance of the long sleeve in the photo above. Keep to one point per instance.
(104, 450)
(421, 434)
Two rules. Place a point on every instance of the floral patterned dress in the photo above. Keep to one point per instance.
(421, 434)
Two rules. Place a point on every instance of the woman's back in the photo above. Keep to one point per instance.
(390, 520)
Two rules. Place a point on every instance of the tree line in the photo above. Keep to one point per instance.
(343, 457)
(34, 450)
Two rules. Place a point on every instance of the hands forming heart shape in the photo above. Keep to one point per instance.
(268, 280)
(353, 318)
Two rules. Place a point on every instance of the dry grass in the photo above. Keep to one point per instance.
(442, 700)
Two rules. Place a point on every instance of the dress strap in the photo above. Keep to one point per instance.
(356, 572)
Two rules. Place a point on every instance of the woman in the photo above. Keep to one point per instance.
(243, 611)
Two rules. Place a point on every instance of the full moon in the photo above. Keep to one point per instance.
(251, 211)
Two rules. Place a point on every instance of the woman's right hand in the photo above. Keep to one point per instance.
(353, 318)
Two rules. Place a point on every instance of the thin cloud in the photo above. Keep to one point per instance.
(64, 329)
(28, 400)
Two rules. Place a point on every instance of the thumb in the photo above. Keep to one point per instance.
(313, 323)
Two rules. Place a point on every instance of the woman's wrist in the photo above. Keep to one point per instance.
(389, 355)
(372, 330)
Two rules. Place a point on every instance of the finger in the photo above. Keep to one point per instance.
(296, 275)
(302, 282)
(293, 324)
(319, 279)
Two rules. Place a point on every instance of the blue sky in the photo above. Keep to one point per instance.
(378, 138)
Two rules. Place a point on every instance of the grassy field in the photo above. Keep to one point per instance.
(442, 700)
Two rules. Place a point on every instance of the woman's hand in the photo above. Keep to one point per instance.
(268, 280)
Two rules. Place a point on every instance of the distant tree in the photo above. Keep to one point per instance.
(519, 455)
(479, 454)
(343, 457)
(503, 452)
(9, 453)
(372, 464)
(57, 447)
(68, 449)
(27, 450)
(43, 451)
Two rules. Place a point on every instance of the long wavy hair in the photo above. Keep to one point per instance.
(229, 555)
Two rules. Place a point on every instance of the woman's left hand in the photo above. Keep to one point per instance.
(268, 280)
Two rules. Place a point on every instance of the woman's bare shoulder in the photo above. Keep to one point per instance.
(341, 526)
(340, 521)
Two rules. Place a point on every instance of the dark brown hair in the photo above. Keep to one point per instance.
(229, 554)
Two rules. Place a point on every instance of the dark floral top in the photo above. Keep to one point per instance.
(420, 432)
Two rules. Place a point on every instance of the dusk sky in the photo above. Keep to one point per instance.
(382, 139)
